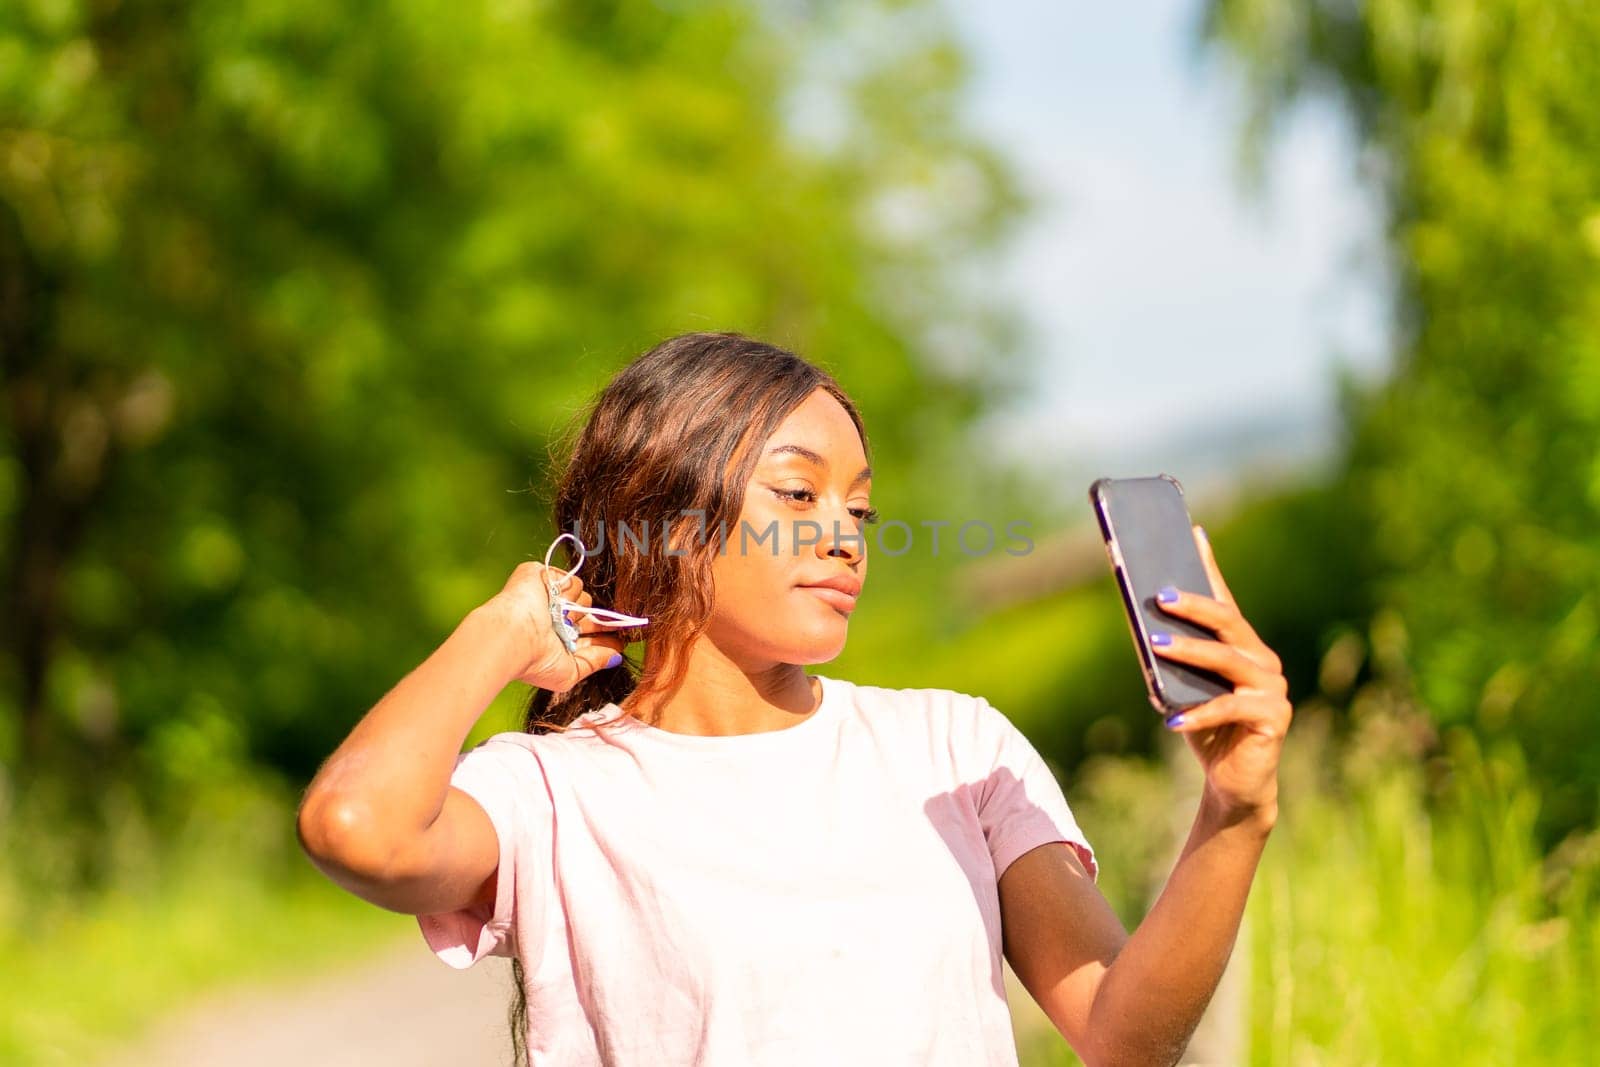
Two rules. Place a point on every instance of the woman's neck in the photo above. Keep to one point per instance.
(720, 698)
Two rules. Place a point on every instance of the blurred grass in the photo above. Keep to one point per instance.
(228, 901)
(1404, 913)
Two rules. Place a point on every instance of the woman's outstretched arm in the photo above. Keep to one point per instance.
(1120, 999)
(380, 818)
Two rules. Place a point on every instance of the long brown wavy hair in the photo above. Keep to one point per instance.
(674, 437)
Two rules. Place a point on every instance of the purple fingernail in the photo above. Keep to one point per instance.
(616, 658)
(1167, 595)
(1160, 640)
(1176, 721)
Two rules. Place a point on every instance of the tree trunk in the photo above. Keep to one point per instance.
(61, 442)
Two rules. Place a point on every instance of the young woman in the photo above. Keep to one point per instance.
(713, 857)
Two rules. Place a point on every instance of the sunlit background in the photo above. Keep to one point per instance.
(297, 301)
(1240, 306)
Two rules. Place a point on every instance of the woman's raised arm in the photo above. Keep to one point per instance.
(381, 818)
(1121, 999)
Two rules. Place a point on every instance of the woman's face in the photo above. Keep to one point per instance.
(803, 523)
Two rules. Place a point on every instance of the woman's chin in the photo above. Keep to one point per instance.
(820, 649)
(811, 647)
(816, 642)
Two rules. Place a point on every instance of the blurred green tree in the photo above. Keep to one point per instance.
(1475, 472)
(294, 296)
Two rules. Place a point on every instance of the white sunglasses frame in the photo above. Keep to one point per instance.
(560, 607)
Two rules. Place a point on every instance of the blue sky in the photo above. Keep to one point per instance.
(1179, 323)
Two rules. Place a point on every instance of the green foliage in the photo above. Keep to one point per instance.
(228, 897)
(1475, 472)
(297, 296)
(1404, 913)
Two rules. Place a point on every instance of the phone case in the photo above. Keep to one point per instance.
(1149, 539)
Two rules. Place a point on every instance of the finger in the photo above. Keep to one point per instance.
(1260, 713)
(582, 620)
(592, 654)
(1217, 657)
(530, 573)
(567, 586)
(588, 624)
(1221, 618)
(597, 654)
(1219, 588)
(598, 620)
(575, 619)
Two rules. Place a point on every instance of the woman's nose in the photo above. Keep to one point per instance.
(842, 539)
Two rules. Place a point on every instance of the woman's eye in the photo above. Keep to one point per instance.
(865, 515)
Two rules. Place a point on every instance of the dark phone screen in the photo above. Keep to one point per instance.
(1148, 534)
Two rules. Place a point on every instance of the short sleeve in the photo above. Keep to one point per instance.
(1020, 803)
(507, 781)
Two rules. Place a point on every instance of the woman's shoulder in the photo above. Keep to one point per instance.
(517, 746)
(922, 706)
(960, 730)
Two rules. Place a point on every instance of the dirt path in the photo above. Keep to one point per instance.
(402, 1009)
(405, 1008)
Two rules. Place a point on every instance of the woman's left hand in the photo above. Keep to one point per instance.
(1237, 736)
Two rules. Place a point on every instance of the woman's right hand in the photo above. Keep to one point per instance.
(523, 607)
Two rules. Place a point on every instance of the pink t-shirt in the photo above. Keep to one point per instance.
(821, 894)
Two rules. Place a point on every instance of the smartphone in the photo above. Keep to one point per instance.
(1149, 539)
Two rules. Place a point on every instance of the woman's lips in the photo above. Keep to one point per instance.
(832, 597)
